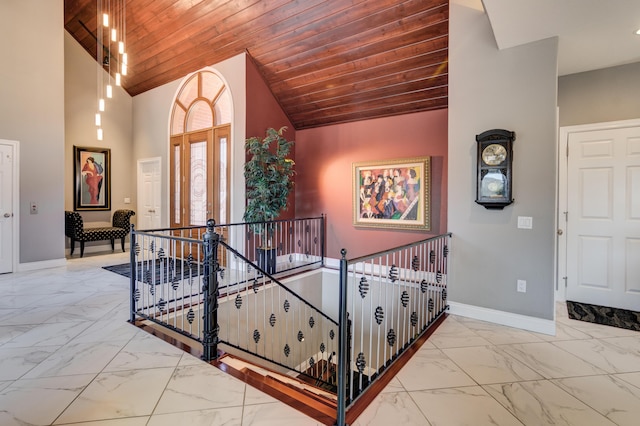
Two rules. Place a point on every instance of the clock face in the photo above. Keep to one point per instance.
(494, 154)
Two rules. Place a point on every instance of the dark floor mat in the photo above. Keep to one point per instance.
(604, 315)
(158, 272)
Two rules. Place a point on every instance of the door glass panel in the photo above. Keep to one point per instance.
(198, 184)
(176, 184)
(222, 191)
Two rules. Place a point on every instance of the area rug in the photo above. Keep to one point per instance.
(158, 272)
(604, 315)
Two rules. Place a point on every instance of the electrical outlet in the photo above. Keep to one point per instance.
(522, 286)
(34, 207)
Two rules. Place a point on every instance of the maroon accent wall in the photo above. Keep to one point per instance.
(324, 158)
(263, 111)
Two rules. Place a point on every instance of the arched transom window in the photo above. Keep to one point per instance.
(199, 151)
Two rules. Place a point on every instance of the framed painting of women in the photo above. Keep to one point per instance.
(92, 178)
(392, 193)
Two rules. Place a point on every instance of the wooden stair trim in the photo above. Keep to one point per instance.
(312, 407)
(319, 411)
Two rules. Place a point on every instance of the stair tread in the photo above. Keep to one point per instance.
(304, 396)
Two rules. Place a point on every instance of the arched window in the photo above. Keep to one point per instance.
(200, 151)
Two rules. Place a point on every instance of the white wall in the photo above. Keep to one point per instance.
(32, 112)
(151, 114)
(513, 89)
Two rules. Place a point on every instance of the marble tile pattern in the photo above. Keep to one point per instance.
(68, 356)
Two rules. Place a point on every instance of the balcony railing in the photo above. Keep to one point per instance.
(194, 283)
(210, 285)
(387, 301)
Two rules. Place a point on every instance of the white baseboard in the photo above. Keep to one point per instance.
(45, 264)
(509, 319)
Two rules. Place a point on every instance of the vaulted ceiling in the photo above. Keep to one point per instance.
(326, 62)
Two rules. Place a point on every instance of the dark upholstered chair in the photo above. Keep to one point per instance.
(75, 230)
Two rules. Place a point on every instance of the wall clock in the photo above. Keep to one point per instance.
(495, 160)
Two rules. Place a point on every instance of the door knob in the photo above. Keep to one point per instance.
(559, 231)
(7, 215)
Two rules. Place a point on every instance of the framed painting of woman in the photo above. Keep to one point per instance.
(92, 178)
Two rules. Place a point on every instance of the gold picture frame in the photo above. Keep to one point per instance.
(92, 178)
(392, 193)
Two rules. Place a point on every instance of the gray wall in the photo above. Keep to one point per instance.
(80, 93)
(608, 94)
(513, 89)
(32, 112)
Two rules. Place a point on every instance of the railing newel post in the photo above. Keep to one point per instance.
(210, 293)
(132, 278)
(322, 247)
(342, 342)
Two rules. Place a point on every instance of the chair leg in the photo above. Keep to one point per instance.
(112, 245)
(81, 248)
(73, 246)
(122, 244)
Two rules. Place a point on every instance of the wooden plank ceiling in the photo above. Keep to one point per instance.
(326, 62)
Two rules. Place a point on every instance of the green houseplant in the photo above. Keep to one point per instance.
(268, 175)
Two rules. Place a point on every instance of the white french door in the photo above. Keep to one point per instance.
(149, 190)
(8, 205)
(602, 218)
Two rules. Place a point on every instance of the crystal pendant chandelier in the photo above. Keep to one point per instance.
(111, 54)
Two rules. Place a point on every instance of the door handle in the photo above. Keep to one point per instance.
(7, 215)
(560, 232)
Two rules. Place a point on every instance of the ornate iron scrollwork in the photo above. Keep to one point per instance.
(404, 299)
(363, 287)
(360, 363)
(415, 263)
(393, 273)
(391, 337)
(414, 318)
(379, 315)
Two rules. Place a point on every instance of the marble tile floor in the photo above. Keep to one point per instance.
(68, 357)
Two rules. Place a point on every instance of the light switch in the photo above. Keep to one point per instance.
(525, 222)
(127, 200)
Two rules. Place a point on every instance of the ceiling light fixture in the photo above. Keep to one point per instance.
(638, 31)
(110, 46)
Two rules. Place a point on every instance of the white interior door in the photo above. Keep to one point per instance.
(603, 217)
(149, 180)
(6, 208)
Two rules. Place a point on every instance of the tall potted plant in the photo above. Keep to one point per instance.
(268, 176)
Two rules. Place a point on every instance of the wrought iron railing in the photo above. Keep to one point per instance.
(210, 285)
(387, 301)
(197, 285)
